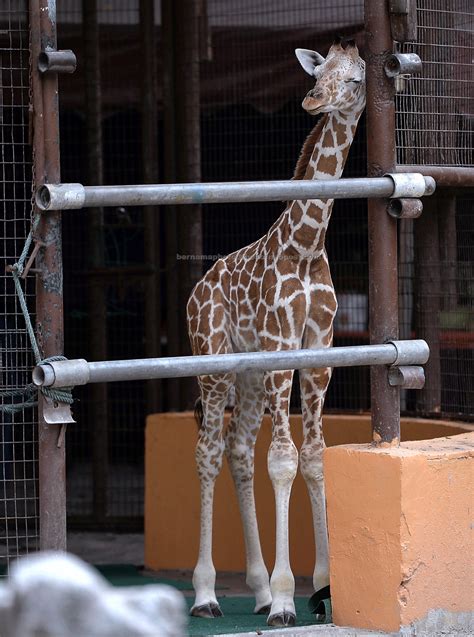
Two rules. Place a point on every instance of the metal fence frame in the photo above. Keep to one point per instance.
(382, 245)
(49, 309)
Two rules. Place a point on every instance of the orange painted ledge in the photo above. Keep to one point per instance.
(172, 493)
(400, 531)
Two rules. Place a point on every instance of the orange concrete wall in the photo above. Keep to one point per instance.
(400, 531)
(172, 493)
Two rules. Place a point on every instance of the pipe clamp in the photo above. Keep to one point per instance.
(408, 185)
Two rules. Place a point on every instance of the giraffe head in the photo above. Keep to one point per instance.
(340, 79)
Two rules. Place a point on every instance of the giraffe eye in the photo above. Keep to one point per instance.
(353, 80)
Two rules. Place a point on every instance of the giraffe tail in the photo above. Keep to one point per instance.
(198, 412)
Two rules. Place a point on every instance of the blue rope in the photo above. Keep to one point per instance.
(30, 392)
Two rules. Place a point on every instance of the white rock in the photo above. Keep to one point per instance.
(59, 595)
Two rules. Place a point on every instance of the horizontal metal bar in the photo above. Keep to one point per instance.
(446, 176)
(81, 372)
(76, 196)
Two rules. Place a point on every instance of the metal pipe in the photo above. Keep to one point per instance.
(76, 196)
(81, 372)
(446, 176)
(382, 228)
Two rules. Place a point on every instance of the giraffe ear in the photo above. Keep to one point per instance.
(309, 60)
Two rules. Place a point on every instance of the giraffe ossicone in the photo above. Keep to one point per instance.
(275, 294)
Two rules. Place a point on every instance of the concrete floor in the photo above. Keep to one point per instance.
(128, 548)
(107, 548)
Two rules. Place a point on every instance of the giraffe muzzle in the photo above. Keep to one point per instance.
(313, 105)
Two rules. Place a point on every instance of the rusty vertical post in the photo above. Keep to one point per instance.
(448, 249)
(405, 291)
(169, 169)
(188, 164)
(49, 282)
(151, 220)
(383, 275)
(183, 164)
(96, 291)
(428, 287)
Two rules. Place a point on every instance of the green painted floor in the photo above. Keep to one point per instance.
(238, 610)
(239, 617)
(129, 575)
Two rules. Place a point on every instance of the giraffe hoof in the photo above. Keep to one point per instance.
(206, 611)
(282, 619)
(264, 610)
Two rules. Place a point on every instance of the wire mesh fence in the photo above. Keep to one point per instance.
(19, 524)
(116, 413)
(435, 126)
(435, 111)
(252, 128)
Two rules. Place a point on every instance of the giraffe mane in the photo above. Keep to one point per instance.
(307, 149)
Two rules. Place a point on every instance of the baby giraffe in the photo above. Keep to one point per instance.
(276, 294)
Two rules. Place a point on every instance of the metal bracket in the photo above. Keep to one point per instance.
(402, 64)
(50, 61)
(405, 208)
(56, 413)
(407, 376)
(403, 20)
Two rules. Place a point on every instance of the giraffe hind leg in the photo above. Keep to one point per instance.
(240, 450)
(314, 384)
(282, 467)
(209, 453)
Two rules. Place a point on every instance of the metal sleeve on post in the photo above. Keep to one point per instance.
(60, 196)
(405, 208)
(57, 61)
(407, 376)
(43, 375)
(402, 63)
(407, 185)
(415, 352)
(57, 373)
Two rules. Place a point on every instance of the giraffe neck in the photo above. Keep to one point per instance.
(331, 145)
(323, 156)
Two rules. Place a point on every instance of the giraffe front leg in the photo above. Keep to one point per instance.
(314, 384)
(209, 453)
(282, 467)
